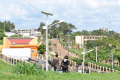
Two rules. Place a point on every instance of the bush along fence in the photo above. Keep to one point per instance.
(116, 68)
(97, 66)
(115, 63)
(99, 69)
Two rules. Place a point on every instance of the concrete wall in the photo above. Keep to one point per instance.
(6, 43)
(33, 41)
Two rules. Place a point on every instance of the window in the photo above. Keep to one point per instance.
(32, 51)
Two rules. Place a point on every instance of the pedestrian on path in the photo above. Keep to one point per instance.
(71, 67)
(65, 64)
(55, 63)
(79, 69)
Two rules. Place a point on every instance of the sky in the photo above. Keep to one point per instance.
(84, 14)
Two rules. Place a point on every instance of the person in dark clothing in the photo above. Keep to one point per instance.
(65, 64)
(56, 63)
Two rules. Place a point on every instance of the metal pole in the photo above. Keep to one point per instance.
(112, 61)
(83, 62)
(68, 46)
(46, 44)
(4, 26)
(96, 53)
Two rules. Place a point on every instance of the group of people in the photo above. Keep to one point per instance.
(65, 65)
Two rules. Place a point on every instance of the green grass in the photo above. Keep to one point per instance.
(79, 51)
(6, 73)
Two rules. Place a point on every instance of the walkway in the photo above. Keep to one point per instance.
(62, 52)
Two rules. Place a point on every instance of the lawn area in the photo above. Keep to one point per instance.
(78, 51)
(6, 73)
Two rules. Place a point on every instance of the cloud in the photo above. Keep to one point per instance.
(115, 23)
(16, 11)
(118, 2)
(84, 14)
(109, 3)
(93, 4)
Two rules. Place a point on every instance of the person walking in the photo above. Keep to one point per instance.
(79, 69)
(55, 63)
(71, 67)
(65, 64)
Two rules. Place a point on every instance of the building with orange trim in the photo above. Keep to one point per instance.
(21, 43)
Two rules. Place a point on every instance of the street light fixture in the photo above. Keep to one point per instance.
(46, 38)
(46, 27)
(84, 57)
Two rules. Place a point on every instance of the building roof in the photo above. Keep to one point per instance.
(20, 40)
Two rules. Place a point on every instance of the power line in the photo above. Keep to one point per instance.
(34, 7)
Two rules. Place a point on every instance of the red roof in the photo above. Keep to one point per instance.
(20, 40)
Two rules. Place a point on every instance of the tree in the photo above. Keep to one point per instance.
(63, 27)
(42, 49)
(2, 34)
(85, 32)
(41, 28)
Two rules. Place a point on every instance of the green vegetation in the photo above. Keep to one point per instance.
(79, 60)
(76, 51)
(42, 49)
(6, 73)
(105, 65)
(16, 35)
(28, 68)
(1, 42)
(8, 26)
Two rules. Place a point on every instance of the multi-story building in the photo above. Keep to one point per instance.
(82, 40)
(31, 31)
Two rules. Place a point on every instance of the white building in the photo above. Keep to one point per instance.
(82, 40)
(31, 31)
(25, 33)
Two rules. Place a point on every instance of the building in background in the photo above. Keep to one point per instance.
(31, 33)
(82, 40)
(21, 43)
(105, 29)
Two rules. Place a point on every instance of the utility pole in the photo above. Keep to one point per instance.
(68, 44)
(96, 53)
(4, 26)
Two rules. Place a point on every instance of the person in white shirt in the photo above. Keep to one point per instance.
(79, 69)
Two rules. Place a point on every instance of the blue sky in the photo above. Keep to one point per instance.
(84, 14)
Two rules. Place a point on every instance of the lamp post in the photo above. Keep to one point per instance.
(84, 57)
(46, 38)
(68, 45)
(46, 27)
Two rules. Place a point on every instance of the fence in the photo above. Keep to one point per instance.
(13, 61)
(100, 68)
(116, 63)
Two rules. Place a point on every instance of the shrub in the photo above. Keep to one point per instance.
(56, 52)
(105, 65)
(77, 59)
(28, 68)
